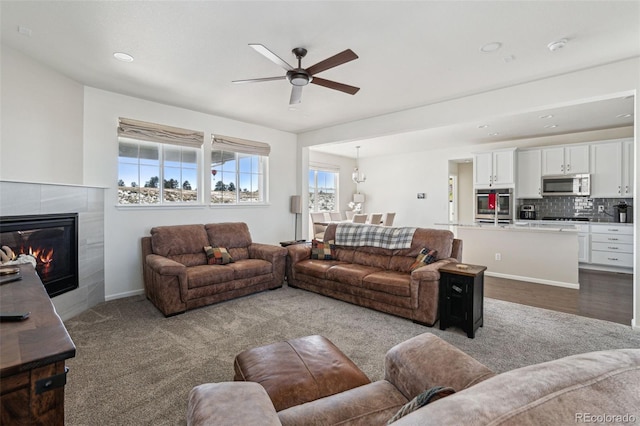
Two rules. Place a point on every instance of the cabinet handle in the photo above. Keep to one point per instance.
(612, 258)
(612, 239)
(562, 168)
(626, 189)
(568, 167)
(613, 248)
(613, 230)
(619, 189)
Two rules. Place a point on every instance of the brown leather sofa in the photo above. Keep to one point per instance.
(597, 387)
(378, 278)
(177, 275)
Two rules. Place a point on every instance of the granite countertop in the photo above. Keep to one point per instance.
(536, 226)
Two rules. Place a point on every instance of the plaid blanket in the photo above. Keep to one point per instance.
(357, 234)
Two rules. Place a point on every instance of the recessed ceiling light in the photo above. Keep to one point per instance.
(550, 126)
(493, 134)
(124, 57)
(24, 31)
(558, 44)
(623, 115)
(544, 117)
(491, 47)
(483, 126)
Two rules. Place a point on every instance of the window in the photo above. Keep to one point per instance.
(323, 189)
(238, 171)
(157, 165)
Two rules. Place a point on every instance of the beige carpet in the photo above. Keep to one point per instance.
(135, 367)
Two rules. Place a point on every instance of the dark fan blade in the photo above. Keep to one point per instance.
(296, 95)
(335, 85)
(258, 80)
(334, 61)
(271, 56)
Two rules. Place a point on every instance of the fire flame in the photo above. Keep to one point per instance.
(42, 255)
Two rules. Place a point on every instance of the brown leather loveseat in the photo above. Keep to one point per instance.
(178, 274)
(375, 277)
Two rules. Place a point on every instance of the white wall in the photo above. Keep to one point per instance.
(125, 226)
(41, 135)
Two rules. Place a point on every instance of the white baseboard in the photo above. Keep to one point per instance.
(533, 280)
(122, 295)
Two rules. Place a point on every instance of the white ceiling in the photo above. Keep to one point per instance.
(411, 54)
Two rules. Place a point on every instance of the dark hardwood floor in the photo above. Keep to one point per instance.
(603, 295)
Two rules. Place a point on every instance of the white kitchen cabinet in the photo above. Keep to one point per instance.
(494, 169)
(529, 173)
(565, 160)
(612, 245)
(583, 244)
(612, 169)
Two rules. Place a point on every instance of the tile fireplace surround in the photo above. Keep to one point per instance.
(21, 198)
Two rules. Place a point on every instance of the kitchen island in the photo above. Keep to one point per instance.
(535, 252)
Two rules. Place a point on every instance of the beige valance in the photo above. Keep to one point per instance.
(227, 143)
(160, 133)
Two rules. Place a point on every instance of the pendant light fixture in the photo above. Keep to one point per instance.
(357, 175)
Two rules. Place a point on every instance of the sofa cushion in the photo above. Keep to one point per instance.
(323, 250)
(391, 282)
(228, 234)
(180, 240)
(315, 268)
(371, 404)
(205, 275)
(566, 391)
(247, 268)
(350, 273)
(217, 255)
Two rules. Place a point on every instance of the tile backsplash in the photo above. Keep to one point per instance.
(577, 207)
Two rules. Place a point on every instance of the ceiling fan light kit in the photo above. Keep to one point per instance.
(300, 77)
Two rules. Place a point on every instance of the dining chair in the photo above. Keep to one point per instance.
(335, 216)
(317, 218)
(359, 218)
(349, 214)
(375, 219)
(388, 219)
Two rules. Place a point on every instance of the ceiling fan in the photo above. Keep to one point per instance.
(300, 77)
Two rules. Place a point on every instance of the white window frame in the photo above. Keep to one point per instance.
(231, 147)
(162, 138)
(315, 168)
(161, 175)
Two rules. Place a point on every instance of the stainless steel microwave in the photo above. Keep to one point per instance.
(567, 185)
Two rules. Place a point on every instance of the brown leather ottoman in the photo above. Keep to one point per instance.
(299, 370)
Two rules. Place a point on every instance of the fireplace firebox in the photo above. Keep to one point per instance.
(51, 240)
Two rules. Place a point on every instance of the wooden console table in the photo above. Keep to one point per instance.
(32, 355)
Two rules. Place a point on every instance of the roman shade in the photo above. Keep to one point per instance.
(227, 143)
(159, 133)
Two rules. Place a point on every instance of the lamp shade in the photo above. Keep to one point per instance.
(296, 204)
(358, 198)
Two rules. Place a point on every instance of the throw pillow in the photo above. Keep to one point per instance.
(217, 255)
(323, 250)
(425, 257)
(421, 400)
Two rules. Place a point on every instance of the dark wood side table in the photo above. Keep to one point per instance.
(32, 355)
(461, 297)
